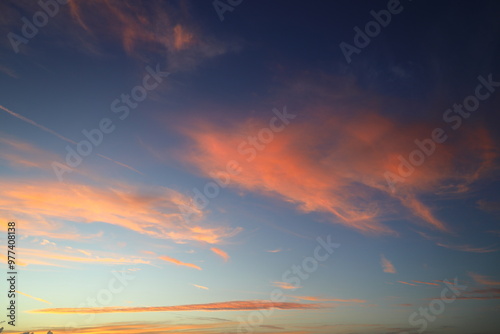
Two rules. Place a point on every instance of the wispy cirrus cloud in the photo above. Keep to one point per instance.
(418, 283)
(285, 285)
(178, 262)
(221, 326)
(427, 283)
(200, 286)
(488, 206)
(407, 283)
(481, 294)
(35, 298)
(146, 327)
(8, 71)
(484, 280)
(320, 299)
(166, 29)
(220, 253)
(333, 161)
(387, 266)
(468, 248)
(222, 306)
(54, 133)
(18, 153)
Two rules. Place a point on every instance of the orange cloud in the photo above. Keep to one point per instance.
(428, 283)
(177, 262)
(221, 253)
(318, 299)
(286, 286)
(484, 280)
(387, 266)
(65, 257)
(333, 161)
(148, 252)
(163, 328)
(407, 283)
(16, 159)
(223, 306)
(468, 248)
(45, 207)
(10, 72)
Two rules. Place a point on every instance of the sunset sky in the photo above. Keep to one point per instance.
(250, 166)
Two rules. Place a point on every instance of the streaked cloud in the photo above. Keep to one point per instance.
(165, 29)
(21, 154)
(407, 283)
(45, 242)
(468, 248)
(285, 285)
(427, 283)
(35, 298)
(387, 266)
(221, 253)
(355, 146)
(8, 71)
(55, 257)
(178, 262)
(54, 133)
(488, 206)
(223, 306)
(200, 286)
(320, 299)
(481, 294)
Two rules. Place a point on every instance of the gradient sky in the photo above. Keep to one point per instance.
(203, 258)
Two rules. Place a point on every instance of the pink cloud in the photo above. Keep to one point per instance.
(178, 262)
(387, 266)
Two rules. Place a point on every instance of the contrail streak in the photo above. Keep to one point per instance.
(35, 298)
(27, 120)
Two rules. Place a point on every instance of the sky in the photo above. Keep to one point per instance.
(237, 166)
